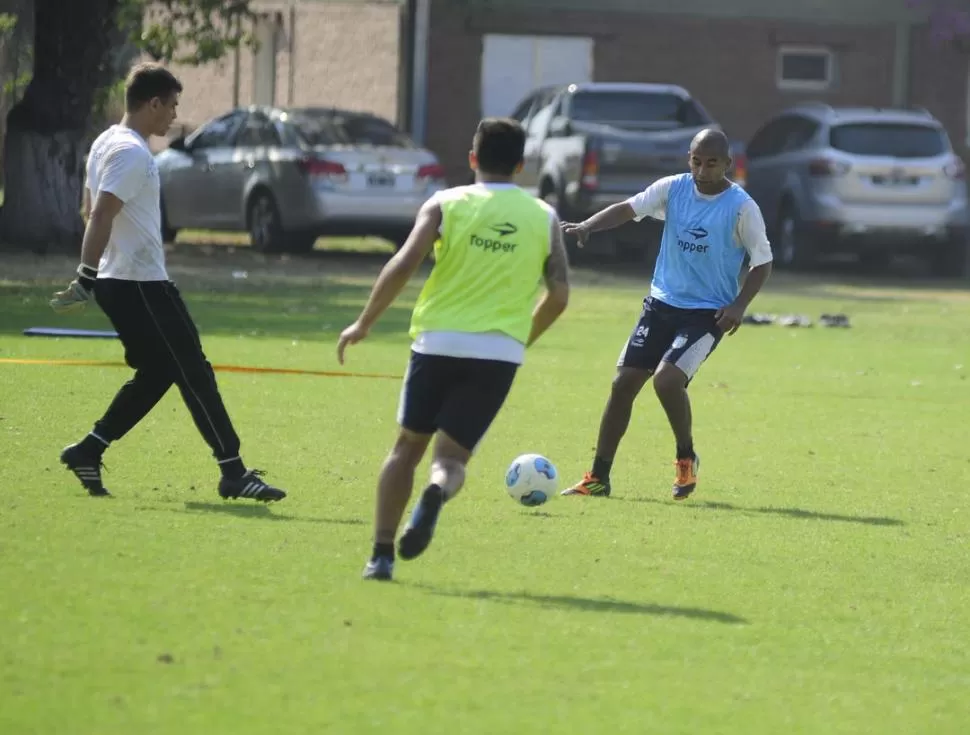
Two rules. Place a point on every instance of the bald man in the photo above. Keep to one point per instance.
(710, 225)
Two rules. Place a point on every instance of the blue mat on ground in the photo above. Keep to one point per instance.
(63, 332)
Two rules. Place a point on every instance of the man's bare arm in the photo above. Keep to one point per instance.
(98, 230)
(608, 219)
(554, 301)
(399, 269)
(611, 217)
(86, 203)
(751, 233)
(395, 275)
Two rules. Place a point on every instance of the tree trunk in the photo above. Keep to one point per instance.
(44, 146)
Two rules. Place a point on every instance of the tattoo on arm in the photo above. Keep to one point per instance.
(557, 264)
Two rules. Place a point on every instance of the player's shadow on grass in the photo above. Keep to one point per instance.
(588, 604)
(260, 512)
(809, 515)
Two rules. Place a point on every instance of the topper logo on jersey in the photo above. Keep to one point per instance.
(496, 246)
(696, 233)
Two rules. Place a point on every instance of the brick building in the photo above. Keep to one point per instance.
(436, 66)
(310, 52)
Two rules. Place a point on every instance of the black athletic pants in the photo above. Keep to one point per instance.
(162, 344)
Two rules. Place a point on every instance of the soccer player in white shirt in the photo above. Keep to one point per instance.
(123, 269)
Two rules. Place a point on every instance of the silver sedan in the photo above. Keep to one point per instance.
(289, 176)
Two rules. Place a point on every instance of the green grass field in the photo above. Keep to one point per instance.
(817, 581)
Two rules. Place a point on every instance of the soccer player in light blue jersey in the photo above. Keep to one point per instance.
(710, 226)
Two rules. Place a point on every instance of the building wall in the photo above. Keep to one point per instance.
(818, 11)
(938, 81)
(345, 54)
(728, 63)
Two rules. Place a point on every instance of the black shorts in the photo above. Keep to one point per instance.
(460, 396)
(664, 333)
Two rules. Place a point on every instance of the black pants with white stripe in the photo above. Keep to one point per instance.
(162, 344)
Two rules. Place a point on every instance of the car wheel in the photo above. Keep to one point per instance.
(299, 242)
(951, 259)
(397, 237)
(168, 232)
(793, 249)
(875, 261)
(551, 196)
(265, 227)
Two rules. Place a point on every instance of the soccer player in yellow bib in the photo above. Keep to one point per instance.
(494, 244)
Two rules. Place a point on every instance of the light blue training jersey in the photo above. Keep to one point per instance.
(699, 264)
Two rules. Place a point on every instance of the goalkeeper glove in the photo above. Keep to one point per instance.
(78, 292)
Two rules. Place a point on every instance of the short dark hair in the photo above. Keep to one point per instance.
(146, 82)
(499, 145)
(712, 142)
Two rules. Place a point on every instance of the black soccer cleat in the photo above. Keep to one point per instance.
(86, 468)
(249, 486)
(380, 568)
(417, 536)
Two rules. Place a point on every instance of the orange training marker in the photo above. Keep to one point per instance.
(221, 368)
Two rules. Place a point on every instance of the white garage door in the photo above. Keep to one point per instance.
(512, 66)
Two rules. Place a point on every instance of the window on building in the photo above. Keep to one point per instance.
(805, 67)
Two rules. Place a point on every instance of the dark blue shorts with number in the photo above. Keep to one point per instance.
(664, 333)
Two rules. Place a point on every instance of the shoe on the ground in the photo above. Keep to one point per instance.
(417, 536)
(834, 320)
(249, 486)
(686, 479)
(590, 485)
(86, 468)
(381, 569)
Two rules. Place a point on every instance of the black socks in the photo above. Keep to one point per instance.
(232, 469)
(601, 469)
(383, 550)
(433, 495)
(93, 446)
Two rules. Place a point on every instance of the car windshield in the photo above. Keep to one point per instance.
(899, 140)
(637, 108)
(345, 128)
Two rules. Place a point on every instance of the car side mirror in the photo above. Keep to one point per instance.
(178, 144)
(560, 127)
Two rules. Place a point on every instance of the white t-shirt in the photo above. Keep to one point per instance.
(121, 163)
(480, 346)
(749, 232)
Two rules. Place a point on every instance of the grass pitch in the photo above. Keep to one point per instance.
(816, 582)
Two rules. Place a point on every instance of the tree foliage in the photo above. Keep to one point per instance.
(81, 48)
(187, 31)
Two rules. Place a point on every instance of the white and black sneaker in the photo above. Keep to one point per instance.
(249, 486)
(86, 468)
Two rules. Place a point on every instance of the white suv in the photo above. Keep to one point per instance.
(869, 181)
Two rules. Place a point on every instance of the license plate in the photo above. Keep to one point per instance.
(895, 180)
(381, 179)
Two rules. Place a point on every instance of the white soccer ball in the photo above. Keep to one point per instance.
(531, 479)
